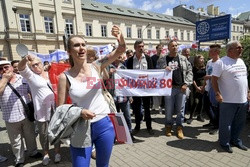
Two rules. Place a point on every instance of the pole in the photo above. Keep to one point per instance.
(144, 30)
(15, 11)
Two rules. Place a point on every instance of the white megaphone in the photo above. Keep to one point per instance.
(22, 50)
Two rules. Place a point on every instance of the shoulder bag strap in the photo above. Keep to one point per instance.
(18, 95)
(100, 76)
(50, 88)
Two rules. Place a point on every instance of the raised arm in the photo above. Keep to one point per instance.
(116, 32)
(22, 64)
(5, 79)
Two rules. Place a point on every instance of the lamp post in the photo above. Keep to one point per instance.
(15, 11)
(145, 29)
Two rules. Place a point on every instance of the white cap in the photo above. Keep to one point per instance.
(3, 62)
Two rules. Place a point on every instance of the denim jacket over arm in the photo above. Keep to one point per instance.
(68, 126)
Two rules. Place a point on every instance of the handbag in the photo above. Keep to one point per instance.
(108, 97)
(28, 108)
(122, 133)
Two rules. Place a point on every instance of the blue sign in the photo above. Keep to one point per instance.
(213, 29)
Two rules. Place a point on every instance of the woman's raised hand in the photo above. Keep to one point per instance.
(116, 32)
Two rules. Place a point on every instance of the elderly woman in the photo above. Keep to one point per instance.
(31, 68)
(94, 107)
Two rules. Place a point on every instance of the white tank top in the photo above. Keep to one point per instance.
(88, 94)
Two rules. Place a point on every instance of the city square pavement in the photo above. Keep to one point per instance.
(198, 148)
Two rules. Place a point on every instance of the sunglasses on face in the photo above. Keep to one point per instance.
(4, 67)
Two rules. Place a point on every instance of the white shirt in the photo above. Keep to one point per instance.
(209, 71)
(88, 95)
(232, 80)
(42, 96)
(141, 64)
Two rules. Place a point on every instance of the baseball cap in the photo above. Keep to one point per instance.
(3, 62)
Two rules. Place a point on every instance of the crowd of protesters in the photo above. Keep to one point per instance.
(217, 90)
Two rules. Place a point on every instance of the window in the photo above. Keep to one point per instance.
(89, 30)
(129, 32)
(104, 30)
(48, 24)
(68, 1)
(233, 28)
(149, 34)
(51, 51)
(25, 22)
(176, 34)
(233, 38)
(167, 34)
(194, 37)
(237, 28)
(182, 36)
(188, 36)
(237, 38)
(69, 26)
(157, 34)
(139, 35)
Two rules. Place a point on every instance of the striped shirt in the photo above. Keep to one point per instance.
(11, 105)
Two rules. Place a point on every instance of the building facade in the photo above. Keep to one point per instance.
(239, 28)
(42, 24)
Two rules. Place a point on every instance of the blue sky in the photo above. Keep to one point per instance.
(234, 7)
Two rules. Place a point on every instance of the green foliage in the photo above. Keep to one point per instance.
(246, 54)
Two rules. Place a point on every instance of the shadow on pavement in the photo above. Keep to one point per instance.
(194, 144)
(2, 128)
(65, 152)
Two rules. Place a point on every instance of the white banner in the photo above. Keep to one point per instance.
(143, 82)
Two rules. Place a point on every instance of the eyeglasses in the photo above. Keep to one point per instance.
(238, 47)
(4, 67)
(36, 64)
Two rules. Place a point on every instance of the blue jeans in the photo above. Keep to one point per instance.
(102, 135)
(232, 121)
(125, 107)
(175, 102)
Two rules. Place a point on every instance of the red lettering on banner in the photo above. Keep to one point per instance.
(163, 83)
(90, 82)
(169, 83)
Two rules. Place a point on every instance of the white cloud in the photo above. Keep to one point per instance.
(169, 11)
(127, 3)
(231, 9)
(155, 4)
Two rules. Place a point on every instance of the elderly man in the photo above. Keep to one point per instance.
(229, 81)
(181, 79)
(31, 68)
(17, 125)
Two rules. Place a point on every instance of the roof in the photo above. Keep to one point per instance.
(244, 16)
(131, 12)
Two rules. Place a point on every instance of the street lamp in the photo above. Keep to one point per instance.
(145, 29)
(15, 11)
